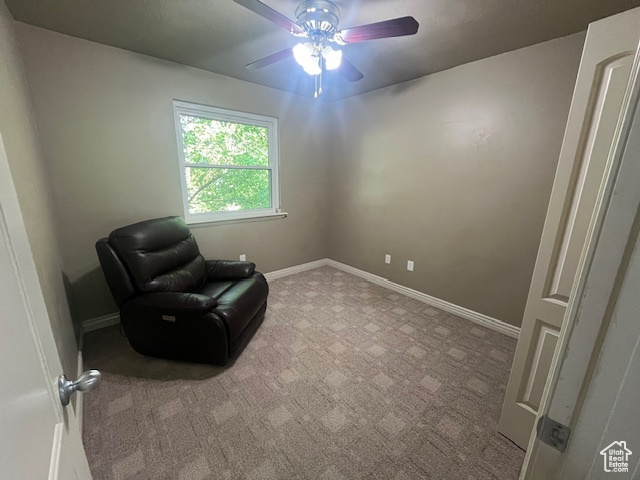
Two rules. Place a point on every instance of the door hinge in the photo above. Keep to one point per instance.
(553, 433)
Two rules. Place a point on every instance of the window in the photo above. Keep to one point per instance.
(228, 163)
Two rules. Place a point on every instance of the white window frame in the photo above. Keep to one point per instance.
(224, 115)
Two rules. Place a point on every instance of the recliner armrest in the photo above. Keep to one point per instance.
(174, 302)
(218, 270)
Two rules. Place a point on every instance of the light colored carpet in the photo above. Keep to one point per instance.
(344, 380)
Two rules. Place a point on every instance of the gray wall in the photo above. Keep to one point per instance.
(19, 133)
(454, 171)
(106, 124)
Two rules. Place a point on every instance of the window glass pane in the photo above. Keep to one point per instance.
(224, 143)
(227, 190)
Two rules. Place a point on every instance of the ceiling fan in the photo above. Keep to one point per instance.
(321, 41)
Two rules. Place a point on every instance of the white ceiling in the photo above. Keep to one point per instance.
(221, 36)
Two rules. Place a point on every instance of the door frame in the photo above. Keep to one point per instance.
(599, 276)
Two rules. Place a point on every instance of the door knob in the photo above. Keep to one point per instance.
(87, 382)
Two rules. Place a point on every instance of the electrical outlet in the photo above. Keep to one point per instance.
(410, 265)
(387, 259)
(243, 257)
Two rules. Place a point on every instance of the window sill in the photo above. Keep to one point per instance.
(253, 218)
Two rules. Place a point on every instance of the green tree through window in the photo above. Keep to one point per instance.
(226, 164)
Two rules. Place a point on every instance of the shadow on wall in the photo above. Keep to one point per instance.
(405, 87)
(76, 319)
(90, 297)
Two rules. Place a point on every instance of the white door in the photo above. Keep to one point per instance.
(584, 161)
(39, 439)
(595, 386)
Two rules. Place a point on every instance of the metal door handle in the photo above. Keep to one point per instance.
(87, 382)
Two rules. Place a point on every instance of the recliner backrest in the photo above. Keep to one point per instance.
(158, 255)
(117, 277)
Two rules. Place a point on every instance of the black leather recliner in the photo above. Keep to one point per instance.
(173, 303)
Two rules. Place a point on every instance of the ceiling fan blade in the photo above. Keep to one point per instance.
(270, 14)
(349, 71)
(397, 27)
(276, 57)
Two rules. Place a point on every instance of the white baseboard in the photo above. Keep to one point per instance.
(285, 272)
(475, 317)
(100, 322)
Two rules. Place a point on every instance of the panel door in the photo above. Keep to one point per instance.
(584, 161)
(594, 388)
(39, 440)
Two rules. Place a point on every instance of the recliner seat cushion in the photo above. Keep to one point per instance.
(216, 289)
(161, 255)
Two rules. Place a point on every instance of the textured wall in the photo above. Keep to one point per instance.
(106, 123)
(19, 133)
(454, 172)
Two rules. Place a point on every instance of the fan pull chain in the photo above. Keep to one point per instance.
(318, 80)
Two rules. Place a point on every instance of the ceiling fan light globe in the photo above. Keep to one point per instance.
(332, 58)
(304, 55)
(312, 67)
(302, 52)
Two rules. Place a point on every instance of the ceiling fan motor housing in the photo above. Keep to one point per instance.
(318, 17)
